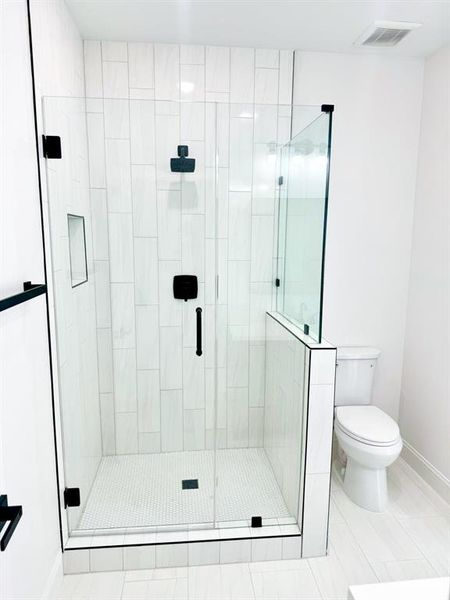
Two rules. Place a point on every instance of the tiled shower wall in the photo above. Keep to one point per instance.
(150, 224)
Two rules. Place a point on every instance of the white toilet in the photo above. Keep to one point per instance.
(367, 435)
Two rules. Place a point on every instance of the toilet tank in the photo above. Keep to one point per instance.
(354, 374)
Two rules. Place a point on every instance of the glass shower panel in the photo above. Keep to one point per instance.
(302, 222)
(136, 365)
(247, 487)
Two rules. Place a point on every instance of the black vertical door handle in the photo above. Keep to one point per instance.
(13, 514)
(198, 310)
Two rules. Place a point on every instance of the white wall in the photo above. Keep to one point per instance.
(425, 401)
(374, 153)
(27, 460)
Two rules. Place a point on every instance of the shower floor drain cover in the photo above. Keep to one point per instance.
(189, 484)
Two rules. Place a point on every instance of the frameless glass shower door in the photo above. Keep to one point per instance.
(136, 339)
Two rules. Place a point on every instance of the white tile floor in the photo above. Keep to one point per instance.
(145, 490)
(410, 540)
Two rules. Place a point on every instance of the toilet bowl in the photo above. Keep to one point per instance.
(371, 441)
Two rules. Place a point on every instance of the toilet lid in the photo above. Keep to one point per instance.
(368, 423)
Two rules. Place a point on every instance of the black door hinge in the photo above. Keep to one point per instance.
(280, 180)
(72, 497)
(277, 282)
(52, 146)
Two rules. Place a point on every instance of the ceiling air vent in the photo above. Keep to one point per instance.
(385, 33)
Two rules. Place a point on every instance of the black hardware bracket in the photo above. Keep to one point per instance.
(30, 290)
(327, 108)
(51, 145)
(13, 514)
(256, 522)
(72, 497)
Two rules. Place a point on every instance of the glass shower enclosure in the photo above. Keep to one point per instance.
(162, 379)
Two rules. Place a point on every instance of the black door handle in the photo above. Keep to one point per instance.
(13, 514)
(198, 310)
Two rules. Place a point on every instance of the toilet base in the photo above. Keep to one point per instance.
(366, 487)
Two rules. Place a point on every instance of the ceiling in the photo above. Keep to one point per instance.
(322, 25)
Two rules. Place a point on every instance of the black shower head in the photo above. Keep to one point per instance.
(182, 164)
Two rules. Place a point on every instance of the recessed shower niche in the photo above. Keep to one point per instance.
(161, 438)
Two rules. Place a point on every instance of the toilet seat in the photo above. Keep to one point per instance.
(368, 425)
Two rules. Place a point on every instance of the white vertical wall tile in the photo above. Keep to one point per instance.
(108, 424)
(142, 125)
(167, 131)
(266, 86)
(242, 75)
(237, 418)
(126, 434)
(241, 142)
(149, 401)
(125, 380)
(237, 360)
(122, 310)
(265, 123)
(192, 124)
(171, 358)
(260, 302)
(146, 270)
(167, 72)
(217, 69)
(256, 375)
(315, 515)
(143, 178)
(169, 222)
(171, 421)
(115, 80)
(140, 64)
(320, 426)
(323, 367)
(121, 247)
(193, 245)
(194, 429)
(191, 54)
(261, 259)
(285, 82)
(114, 51)
(192, 82)
(117, 118)
(105, 360)
(238, 292)
(99, 217)
(96, 149)
(239, 219)
(93, 69)
(170, 308)
(147, 334)
(268, 58)
(256, 427)
(193, 379)
(118, 175)
(102, 293)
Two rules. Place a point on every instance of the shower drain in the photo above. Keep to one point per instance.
(189, 484)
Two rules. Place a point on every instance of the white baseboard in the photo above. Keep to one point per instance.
(427, 471)
(54, 579)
